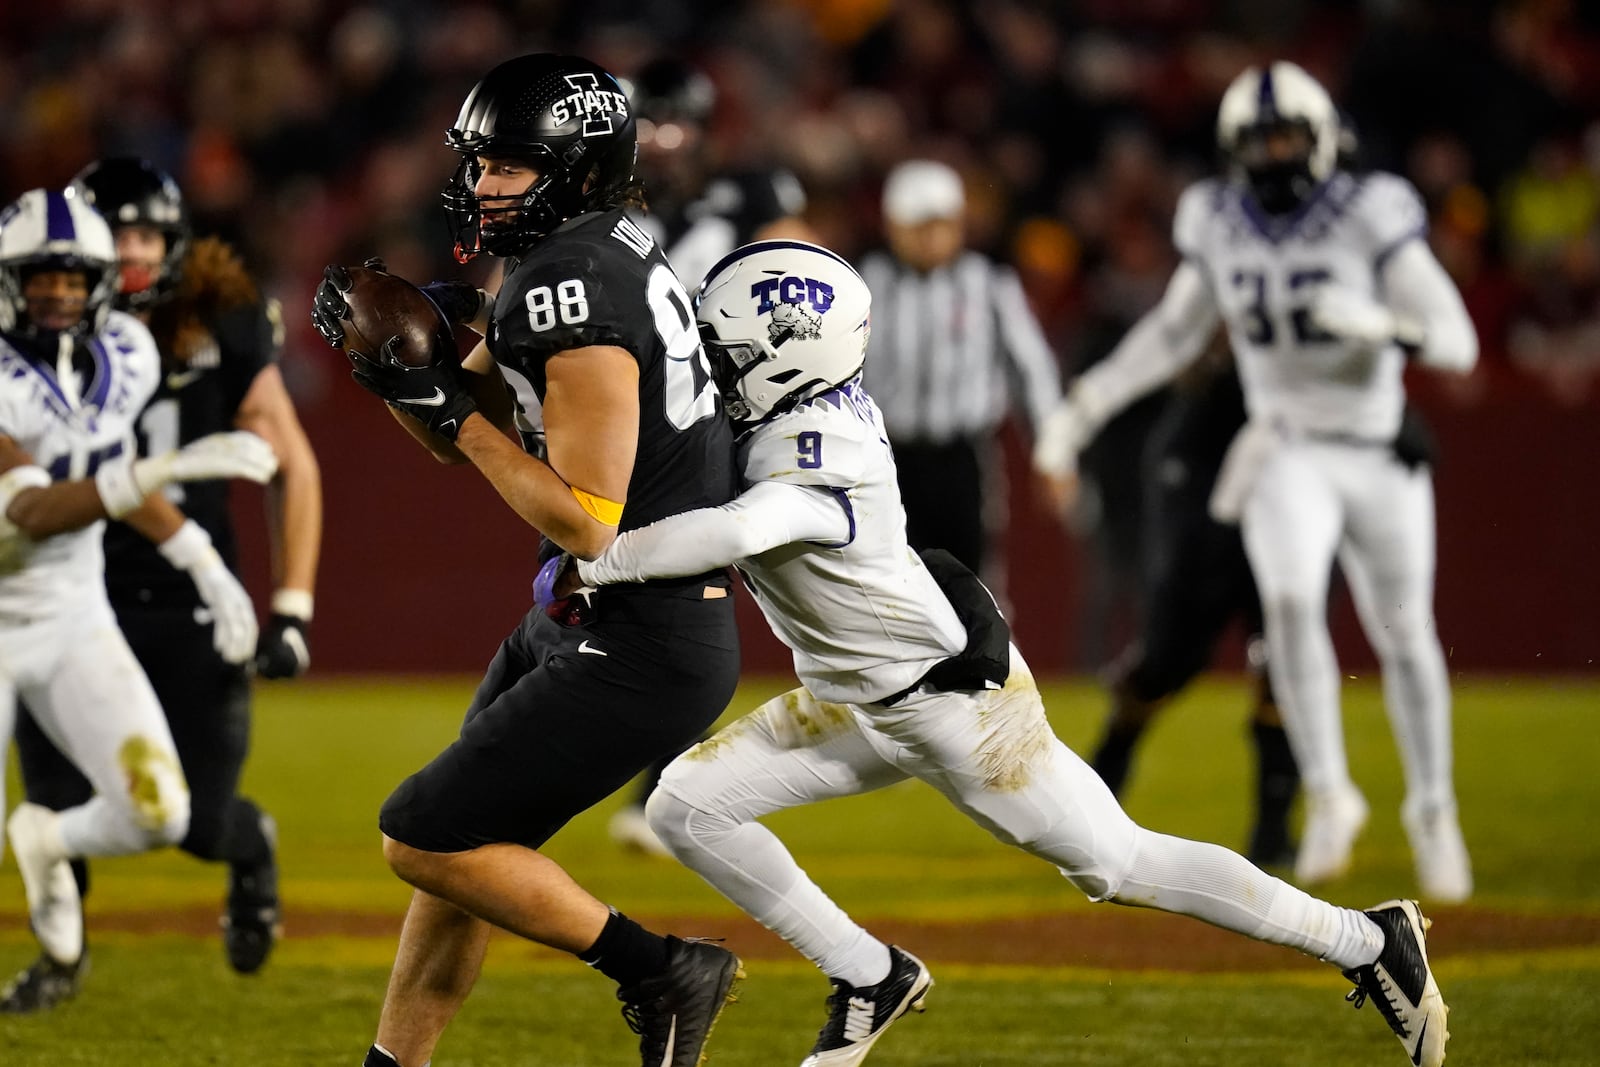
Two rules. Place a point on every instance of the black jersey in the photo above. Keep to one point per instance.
(601, 280)
(196, 398)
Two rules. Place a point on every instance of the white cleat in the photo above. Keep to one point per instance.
(858, 1015)
(1333, 820)
(54, 908)
(1444, 871)
(1400, 983)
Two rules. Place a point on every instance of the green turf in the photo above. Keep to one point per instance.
(327, 752)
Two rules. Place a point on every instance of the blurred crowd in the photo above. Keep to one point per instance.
(311, 132)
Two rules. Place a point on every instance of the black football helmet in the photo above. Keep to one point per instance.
(129, 191)
(564, 116)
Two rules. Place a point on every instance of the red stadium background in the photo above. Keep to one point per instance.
(425, 570)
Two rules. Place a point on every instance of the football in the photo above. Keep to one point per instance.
(384, 305)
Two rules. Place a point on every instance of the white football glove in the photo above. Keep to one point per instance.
(1062, 435)
(233, 616)
(235, 454)
(1354, 316)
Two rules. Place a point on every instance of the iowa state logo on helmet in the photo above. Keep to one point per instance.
(599, 107)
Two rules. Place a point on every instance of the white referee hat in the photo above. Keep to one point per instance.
(922, 189)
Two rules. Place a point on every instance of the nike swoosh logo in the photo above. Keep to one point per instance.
(1416, 1054)
(672, 1034)
(178, 379)
(591, 650)
(426, 401)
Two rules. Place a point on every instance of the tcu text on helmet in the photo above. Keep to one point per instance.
(792, 290)
(597, 105)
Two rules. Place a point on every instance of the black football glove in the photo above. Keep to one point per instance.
(329, 306)
(433, 395)
(283, 651)
(460, 301)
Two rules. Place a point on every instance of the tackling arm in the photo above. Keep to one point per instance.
(764, 517)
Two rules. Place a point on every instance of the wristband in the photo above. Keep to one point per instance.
(296, 603)
(189, 548)
(119, 490)
(14, 481)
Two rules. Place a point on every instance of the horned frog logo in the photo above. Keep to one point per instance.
(793, 322)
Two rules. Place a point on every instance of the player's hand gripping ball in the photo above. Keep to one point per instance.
(360, 309)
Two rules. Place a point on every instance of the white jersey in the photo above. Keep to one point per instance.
(863, 616)
(819, 534)
(1263, 270)
(71, 423)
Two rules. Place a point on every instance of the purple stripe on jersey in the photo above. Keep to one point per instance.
(58, 218)
(100, 387)
(849, 512)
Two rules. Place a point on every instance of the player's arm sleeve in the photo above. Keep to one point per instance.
(1169, 338)
(765, 516)
(1037, 376)
(1433, 320)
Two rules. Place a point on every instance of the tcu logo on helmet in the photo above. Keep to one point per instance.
(596, 105)
(787, 300)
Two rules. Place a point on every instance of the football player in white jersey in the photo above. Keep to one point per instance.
(907, 670)
(73, 376)
(1326, 286)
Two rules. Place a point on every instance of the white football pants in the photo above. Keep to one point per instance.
(1314, 499)
(994, 756)
(89, 695)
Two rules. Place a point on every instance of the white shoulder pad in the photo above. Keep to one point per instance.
(1391, 212)
(831, 441)
(136, 356)
(1196, 208)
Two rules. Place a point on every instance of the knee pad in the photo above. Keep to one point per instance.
(679, 824)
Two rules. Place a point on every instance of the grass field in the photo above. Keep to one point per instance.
(1028, 972)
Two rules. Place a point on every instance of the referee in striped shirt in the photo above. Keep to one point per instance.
(954, 345)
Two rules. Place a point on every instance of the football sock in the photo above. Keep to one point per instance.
(626, 952)
(1211, 883)
(1277, 782)
(749, 865)
(378, 1056)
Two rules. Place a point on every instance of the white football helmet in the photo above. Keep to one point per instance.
(1276, 100)
(45, 229)
(781, 321)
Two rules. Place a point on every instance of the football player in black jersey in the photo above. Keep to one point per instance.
(592, 328)
(219, 343)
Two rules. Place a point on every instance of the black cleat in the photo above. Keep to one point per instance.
(858, 1015)
(43, 985)
(251, 922)
(1400, 984)
(674, 1011)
